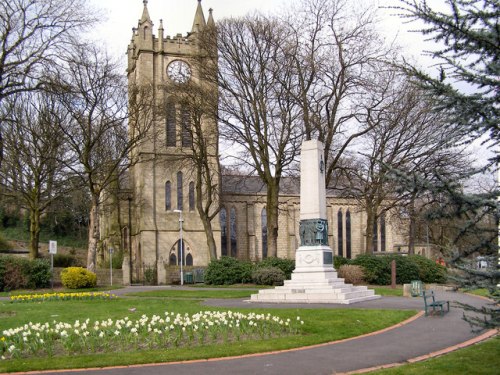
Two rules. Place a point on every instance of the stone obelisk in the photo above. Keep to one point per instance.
(314, 279)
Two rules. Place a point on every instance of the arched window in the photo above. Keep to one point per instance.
(172, 260)
(168, 195)
(223, 231)
(340, 233)
(263, 219)
(382, 232)
(189, 260)
(145, 33)
(187, 137)
(171, 124)
(180, 195)
(191, 196)
(233, 232)
(348, 234)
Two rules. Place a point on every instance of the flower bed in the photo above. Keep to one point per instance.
(61, 296)
(168, 331)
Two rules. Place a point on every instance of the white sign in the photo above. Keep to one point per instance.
(52, 247)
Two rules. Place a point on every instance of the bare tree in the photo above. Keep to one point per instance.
(406, 135)
(33, 172)
(32, 35)
(93, 91)
(336, 53)
(258, 115)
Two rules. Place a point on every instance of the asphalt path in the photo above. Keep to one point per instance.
(419, 337)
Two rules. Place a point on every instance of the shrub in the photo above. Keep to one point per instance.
(227, 271)
(64, 260)
(428, 270)
(4, 245)
(17, 273)
(78, 277)
(339, 261)
(40, 274)
(376, 270)
(352, 274)
(285, 265)
(14, 276)
(268, 276)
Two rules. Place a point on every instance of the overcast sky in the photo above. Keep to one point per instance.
(177, 15)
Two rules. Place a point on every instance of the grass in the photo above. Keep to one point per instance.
(321, 325)
(20, 234)
(387, 291)
(482, 358)
(198, 294)
(483, 292)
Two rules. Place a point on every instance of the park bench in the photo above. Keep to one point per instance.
(430, 302)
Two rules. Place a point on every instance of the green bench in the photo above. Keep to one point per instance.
(430, 302)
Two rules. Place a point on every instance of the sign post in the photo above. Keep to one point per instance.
(52, 251)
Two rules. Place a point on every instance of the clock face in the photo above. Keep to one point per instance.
(179, 71)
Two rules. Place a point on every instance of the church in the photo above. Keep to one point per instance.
(157, 225)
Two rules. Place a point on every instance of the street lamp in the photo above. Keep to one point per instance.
(182, 245)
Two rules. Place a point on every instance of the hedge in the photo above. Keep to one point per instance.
(21, 273)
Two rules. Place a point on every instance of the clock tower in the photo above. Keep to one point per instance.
(163, 180)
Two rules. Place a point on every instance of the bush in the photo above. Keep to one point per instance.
(339, 261)
(428, 270)
(78, 277)
(4, 245)
(268, 276)
(285, 265)
(40, 274)
(65, 260)
(377, 269)
(352, 274)
(17, 273)
(227, 271)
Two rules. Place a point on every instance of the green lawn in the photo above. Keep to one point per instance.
(387, 291)
(200, 294)
(320, 325)
(482, 358)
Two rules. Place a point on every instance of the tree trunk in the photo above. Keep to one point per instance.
(370, 222)
(93, 235)
(272, 211)
(411, 233)
(34, 232)
(412, 228)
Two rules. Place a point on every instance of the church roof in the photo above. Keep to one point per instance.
(242, 185)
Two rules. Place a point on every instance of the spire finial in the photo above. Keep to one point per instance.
(145, 13)
(199, 22)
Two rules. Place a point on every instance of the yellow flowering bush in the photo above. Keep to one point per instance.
(78, 277)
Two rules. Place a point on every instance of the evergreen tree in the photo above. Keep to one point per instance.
(468, 91)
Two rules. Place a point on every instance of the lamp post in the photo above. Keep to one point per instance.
(181, 243)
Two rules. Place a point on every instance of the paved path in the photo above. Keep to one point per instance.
(419, 337)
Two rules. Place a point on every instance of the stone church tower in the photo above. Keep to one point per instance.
(162, 182)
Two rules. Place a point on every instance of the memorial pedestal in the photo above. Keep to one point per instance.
(314, 279)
